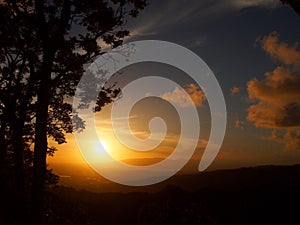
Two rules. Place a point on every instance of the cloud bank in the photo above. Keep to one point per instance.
(275, 101)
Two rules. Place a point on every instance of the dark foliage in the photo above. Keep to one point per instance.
(295, 4)
(44, 46)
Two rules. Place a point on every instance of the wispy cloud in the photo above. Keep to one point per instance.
(240, 4)
(160, 16)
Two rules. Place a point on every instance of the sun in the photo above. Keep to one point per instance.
(104, 144)
(101, 146)
(101, 151)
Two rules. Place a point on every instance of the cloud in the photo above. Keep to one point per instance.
(275, 100)
(195, 42)
(282, 52)
(180, 97)
(239, 124)
(240, 4)
(235, 90)
(290, 137)
(160, 16)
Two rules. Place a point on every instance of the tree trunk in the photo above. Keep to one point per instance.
(21, 214)
(40, 151)
(3, 143)
(3, 177)
(41, 144)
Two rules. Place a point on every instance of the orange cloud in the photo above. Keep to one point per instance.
(282, 52)
(179, 97)
(289, 137)
(239, 124)
(235, 90)
(276, 99)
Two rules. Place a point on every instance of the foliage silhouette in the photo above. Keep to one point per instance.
(294, 4)
(44, 47)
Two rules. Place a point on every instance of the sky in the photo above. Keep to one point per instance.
(252, 49)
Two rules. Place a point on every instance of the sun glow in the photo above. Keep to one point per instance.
(101, 146)
(104, 144)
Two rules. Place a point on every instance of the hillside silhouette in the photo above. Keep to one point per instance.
(229, 179)
(257, 195)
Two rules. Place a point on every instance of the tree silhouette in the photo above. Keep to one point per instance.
(44, 46)
(295, 4)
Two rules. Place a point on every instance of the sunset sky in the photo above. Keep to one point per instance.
(251, 47)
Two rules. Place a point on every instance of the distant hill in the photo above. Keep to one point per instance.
(264, 195)
(241, 179)
(233, 179)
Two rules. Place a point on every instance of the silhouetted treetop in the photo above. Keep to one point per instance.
(44, 45)
(295, 4)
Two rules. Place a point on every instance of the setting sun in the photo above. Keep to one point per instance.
(104, 144)
(101, 146)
